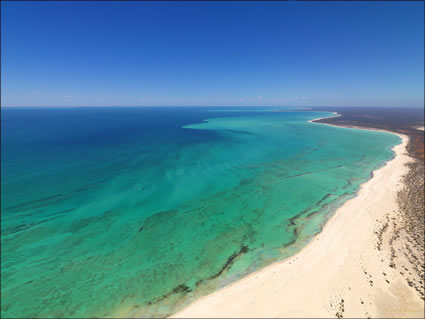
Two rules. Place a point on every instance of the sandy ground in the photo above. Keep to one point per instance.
(341, 273)
(420, 128)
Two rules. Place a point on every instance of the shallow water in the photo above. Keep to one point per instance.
(137, 211)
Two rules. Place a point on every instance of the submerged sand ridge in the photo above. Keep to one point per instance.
(346, 271)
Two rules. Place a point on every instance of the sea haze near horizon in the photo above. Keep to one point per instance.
(137, 211)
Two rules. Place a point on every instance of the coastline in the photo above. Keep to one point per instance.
(326, 117)
(341, 272)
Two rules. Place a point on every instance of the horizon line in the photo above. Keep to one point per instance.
(164, 106)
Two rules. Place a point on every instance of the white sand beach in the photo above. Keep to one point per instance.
(326, 117)
(340, 273)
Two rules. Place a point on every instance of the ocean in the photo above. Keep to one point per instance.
(127, 211)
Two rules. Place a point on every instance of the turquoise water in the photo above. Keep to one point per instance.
(138, 211)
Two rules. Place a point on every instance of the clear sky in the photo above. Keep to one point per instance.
(212, 53)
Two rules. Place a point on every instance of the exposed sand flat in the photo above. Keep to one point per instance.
(341, 273)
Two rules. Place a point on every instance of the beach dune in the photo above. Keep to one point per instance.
(341, 273)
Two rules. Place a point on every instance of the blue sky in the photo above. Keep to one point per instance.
(212, 53)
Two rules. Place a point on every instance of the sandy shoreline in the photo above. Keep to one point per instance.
(340, 273)
(326, 117)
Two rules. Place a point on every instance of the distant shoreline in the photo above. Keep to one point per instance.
(356, 126)
(325, 117)
(339, 273)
